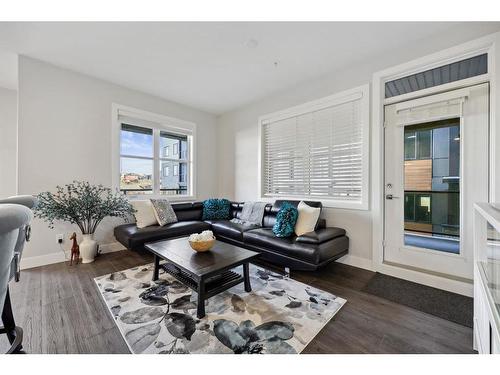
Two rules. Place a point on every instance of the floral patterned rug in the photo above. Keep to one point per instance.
(280, 315)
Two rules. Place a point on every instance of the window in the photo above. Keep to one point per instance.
(410, 145)
(418, 144)
(136, 159)
(319, 151)
(154, 155)
(173, 185)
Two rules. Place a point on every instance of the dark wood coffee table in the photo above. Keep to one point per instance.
(207, 273)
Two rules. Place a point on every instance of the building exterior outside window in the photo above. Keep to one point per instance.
(432, 178)
(174, 168)
(137, 160)
(166, 171)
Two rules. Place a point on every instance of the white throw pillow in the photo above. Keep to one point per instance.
(308, 217)
(144, 215)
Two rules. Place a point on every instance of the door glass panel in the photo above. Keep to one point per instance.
(432, 185)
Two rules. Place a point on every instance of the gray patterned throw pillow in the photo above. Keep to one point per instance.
(163, 211)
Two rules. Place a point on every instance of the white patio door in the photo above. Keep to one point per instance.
(436, 167)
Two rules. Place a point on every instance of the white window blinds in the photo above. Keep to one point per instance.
(318, 152)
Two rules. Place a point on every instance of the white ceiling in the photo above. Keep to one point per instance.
(210, 66)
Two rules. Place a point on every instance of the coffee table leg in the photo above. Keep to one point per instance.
(200, 312)
(246, 276)
(156, 270)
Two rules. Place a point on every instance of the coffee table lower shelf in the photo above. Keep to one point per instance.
(206, 288)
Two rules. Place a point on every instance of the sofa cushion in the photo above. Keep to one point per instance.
(285, 220)
(188, 211)
(321, 235)
(265, 238)
(226, 228)
(307, 219)
(216, 209)
(132, 237)
(164, 212)
(316, 253)
(144, 213)
(272, 210)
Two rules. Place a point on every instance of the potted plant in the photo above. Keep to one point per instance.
(85, 205)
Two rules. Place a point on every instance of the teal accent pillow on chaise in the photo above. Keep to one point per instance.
(216, 209)
(285, 220)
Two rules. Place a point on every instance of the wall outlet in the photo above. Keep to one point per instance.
(60, 238)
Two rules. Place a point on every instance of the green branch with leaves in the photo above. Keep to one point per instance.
(83, 204)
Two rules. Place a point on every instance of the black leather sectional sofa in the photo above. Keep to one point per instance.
(307, 252)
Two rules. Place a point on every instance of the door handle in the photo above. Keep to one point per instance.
(390, 196)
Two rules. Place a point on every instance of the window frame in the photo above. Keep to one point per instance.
(361, 93)
(158, 123)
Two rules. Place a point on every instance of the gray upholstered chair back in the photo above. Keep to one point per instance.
(14, 219)
(24, 232)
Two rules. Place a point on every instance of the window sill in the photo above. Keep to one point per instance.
(327, 203)
(184, 198)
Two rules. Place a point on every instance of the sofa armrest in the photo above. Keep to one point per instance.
(321, 235)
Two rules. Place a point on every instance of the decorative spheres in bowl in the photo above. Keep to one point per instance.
(203, 241)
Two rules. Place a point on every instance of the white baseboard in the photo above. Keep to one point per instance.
(59, 257)
(42, 260)
(352, 260)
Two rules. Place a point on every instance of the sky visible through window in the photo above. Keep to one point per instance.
(136, 144)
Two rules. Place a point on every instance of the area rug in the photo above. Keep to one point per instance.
(279, 316)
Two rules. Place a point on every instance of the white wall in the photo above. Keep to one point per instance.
(65, 134)
(8, 142)
(238, 136)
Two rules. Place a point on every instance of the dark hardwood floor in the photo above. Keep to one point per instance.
(60, 310)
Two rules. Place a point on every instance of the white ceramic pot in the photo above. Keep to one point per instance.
(88, 248)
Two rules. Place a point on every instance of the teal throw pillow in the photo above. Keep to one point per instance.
(216, 209)
(285, 220)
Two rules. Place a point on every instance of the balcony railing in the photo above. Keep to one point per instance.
(175, 191)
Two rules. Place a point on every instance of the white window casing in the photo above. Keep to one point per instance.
(318, 151)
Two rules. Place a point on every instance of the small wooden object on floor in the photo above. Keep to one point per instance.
(75, 250)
